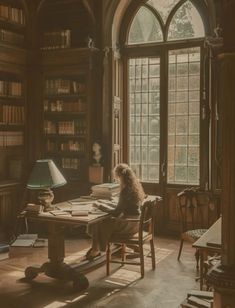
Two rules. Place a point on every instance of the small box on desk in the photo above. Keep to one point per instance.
(96, 174)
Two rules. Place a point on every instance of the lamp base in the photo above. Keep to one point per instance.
(46, 197)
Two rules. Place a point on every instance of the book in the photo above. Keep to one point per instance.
(25, 240)
(214, 244)
(23, 243)
(106, 186)
(59, 213)
(198, 302)
(79, 213)
(201, 294)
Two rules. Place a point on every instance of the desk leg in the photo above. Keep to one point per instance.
(56, 268)
(201, 254)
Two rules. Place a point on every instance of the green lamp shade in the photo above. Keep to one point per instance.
(45, 174)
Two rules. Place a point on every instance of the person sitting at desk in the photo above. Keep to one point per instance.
(130, 200)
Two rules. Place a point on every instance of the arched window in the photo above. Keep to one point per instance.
(166, 96)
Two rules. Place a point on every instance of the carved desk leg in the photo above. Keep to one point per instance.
(55, 267)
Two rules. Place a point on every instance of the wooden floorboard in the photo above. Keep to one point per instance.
(166, 287)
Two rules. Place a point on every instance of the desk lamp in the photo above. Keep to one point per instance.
(44, 176)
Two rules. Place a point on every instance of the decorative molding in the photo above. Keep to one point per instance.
(106, 51)
(116, 51)
(215, 41)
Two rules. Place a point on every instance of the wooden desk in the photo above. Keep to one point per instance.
(55, 267)
(208, 243)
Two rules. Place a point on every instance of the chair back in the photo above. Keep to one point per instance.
(147, 217)
(191, 211)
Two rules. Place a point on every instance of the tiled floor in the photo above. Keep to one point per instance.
(165, 287)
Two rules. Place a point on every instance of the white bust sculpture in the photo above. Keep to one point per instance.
(96, 153)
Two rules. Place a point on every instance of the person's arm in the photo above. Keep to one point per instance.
(119, 208)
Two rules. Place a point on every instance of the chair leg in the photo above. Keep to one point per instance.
(123, 253)
(153, 254)
(197, 257)
(108, 259)
(142, 260)
(181, 246)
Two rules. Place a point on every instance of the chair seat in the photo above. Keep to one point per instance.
(193, 234)
(118, 238)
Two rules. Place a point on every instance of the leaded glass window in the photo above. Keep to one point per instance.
(186, 23)
(144, 119)
(145, 28)
(165, 88)
(184, 116)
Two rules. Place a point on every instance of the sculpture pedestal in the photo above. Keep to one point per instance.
(96, 174)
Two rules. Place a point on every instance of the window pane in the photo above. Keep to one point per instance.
(144, 118)
(184, 117)
(186, 23)
(163, 7)
(145, 28)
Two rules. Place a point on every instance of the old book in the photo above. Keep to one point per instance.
(198, 302)
(185, 304)
(201, 294)
(80, 213)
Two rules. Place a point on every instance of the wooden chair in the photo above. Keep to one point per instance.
(191, 213)
(146, 233)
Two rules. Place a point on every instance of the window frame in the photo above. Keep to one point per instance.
(161, 49)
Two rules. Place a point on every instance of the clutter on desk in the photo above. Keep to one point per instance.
(33, 208)
(59, 213)
(79, 213)
(105, 190)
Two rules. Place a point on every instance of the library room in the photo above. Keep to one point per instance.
(117, 153)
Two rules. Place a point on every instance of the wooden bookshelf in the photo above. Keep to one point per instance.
(13, 111)
(66, 122)
(12, 120)
(12, 23)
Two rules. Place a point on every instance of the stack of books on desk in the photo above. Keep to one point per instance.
(196, 298)
(105, 190)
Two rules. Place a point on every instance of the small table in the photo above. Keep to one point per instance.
(56, 267)
(209, 242)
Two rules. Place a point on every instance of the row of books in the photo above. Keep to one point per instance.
(70, 163)
(64, 86)
(70, 145)
(11, 138)
(105, 190)
(76, 127)
(56, 40)
(10, 88)
(12, 14)
(12, 114)
(59, 106)
(12, 38)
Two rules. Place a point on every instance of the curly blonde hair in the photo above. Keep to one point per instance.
(130, 181)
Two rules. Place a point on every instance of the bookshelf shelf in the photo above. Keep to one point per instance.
(66, 122)
(65, 136)
(15, 26)
(64, 114)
